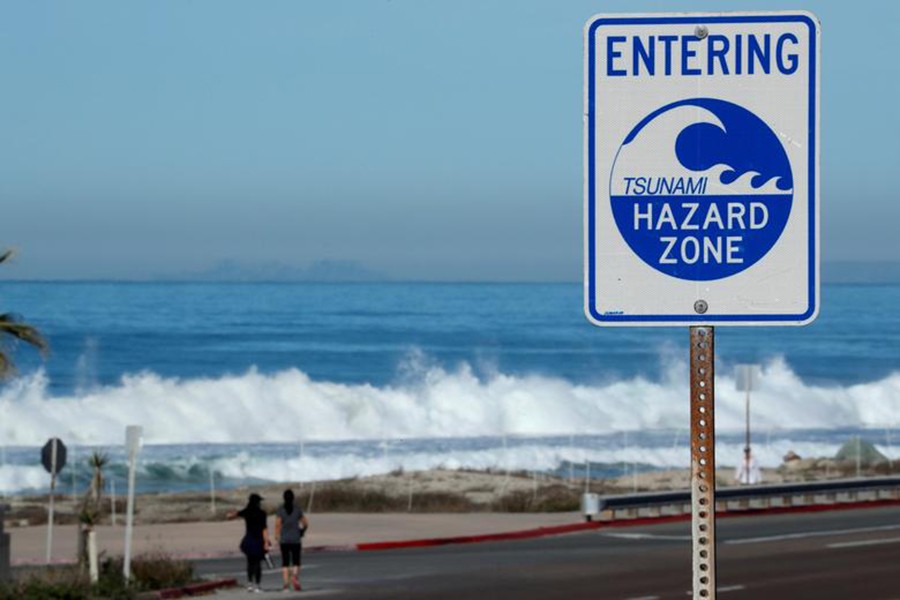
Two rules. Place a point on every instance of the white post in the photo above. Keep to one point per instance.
(571, 459)
(384, 453)
(129, 519)
(409, 506)
(890, 449)
(858, 457)
(52, 500)
(505, 461)
(92, 556)
(312, 493)
(133, 443)
(112, 500)
(587, 476)
(212, 491)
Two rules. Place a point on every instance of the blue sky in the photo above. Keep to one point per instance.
(424, 139)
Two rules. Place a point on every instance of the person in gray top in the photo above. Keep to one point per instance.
(290, 525)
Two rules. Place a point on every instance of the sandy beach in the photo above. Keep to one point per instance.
(396, 506)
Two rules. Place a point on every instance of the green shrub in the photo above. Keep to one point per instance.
(518, 501)
(441, 502)
(152, 571)
(53, 583)
(552, 498)
(338, 498)
(157, 570)
(557, 498)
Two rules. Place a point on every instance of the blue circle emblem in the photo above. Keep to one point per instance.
(701, 189)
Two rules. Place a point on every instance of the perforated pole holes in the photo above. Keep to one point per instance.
(703, 463)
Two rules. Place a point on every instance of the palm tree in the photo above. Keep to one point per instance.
(12, 325)
(97, 460)
(90, 508)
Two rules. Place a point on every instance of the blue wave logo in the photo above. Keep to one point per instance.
(745, 145)
(701, 189)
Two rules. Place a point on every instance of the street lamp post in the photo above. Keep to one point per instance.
(133, 442)
(745, 380)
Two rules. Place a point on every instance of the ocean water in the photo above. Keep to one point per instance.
(294, 382)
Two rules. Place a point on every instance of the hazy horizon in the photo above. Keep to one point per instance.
(230, 271)
(421, 141)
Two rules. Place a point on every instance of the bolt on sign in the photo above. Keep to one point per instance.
(702, 169)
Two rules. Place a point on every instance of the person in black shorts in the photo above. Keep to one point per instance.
(255, 542)
(290, 525)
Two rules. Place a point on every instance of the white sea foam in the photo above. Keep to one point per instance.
(528, 457)
(434, 403)
(15, 478)
(158, 469)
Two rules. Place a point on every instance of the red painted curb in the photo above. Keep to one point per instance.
(195, 589)
(586, 526)
(331, 548)
(490, 537)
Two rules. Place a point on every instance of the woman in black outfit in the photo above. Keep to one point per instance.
(255, 542)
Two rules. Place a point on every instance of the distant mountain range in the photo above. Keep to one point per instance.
(349, 271)
(852, 271)
(353, 271)
(319, 271)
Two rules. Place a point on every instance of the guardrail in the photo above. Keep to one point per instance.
(812, 493)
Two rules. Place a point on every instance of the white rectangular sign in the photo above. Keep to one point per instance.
(702, 169)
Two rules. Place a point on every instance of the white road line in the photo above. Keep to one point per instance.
(645, 598)
(864, 543)
(727, 588)
(646, 536)
(811, 534)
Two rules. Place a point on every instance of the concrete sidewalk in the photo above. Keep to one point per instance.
(211, 539)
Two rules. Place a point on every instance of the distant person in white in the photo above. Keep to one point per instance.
(747, 473)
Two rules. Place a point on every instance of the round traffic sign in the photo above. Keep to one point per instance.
(47, 459)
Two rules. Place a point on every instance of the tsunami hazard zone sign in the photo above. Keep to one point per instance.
(701, 169)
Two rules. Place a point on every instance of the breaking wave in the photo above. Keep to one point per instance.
(431, 402)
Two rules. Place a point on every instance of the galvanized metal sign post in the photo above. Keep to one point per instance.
(53, 457)
(703, 462)
(702, 192)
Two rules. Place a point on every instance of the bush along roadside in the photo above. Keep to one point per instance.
(149, 572)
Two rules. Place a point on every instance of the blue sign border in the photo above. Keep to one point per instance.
(591, 176)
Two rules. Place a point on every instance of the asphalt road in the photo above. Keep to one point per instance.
(836, 555)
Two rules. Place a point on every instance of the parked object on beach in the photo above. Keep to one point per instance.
(255, 542)
(791, 456)
(290, 527)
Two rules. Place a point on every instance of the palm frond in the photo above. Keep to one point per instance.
(98, 460)
(13, 326)
(10, 325)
